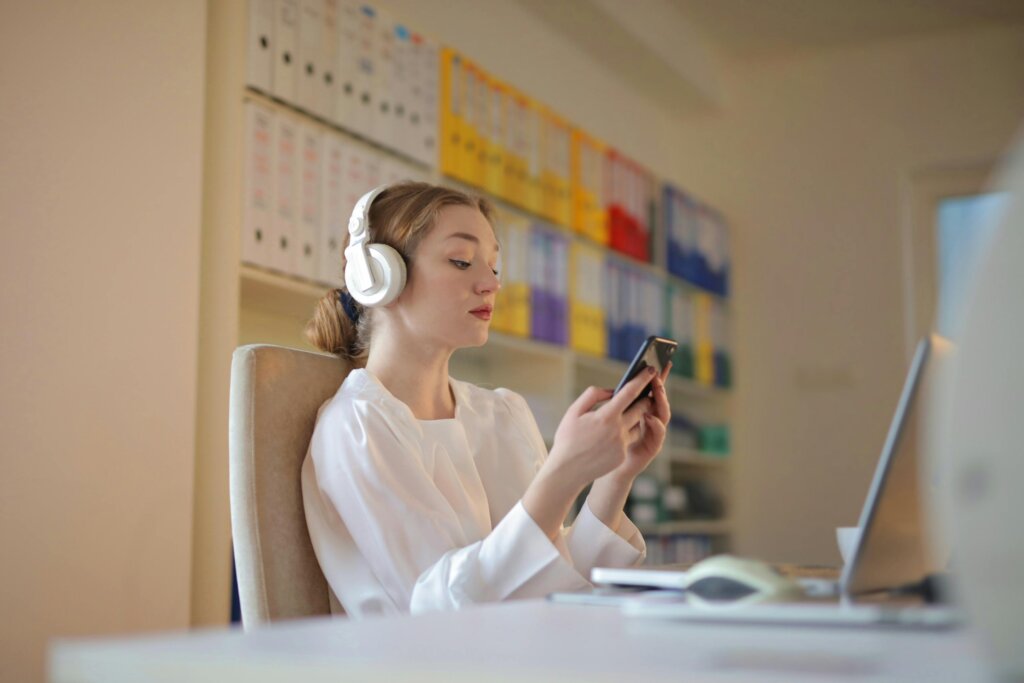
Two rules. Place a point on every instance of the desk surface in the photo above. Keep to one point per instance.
(522, 641)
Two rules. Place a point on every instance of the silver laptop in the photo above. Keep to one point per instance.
(891, 551)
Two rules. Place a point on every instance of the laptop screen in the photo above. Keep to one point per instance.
(892, 550)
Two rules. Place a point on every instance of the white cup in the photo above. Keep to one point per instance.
(847, 538)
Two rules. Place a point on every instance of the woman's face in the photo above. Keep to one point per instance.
(452, 281)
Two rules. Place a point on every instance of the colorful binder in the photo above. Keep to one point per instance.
(589, 208)
(587, 332)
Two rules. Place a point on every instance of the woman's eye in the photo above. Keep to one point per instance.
(461, 265)
(496, 273)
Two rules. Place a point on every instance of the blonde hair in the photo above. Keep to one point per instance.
(400, 216)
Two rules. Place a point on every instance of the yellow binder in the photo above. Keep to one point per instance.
(471, 127)
(555, 169)
(589, 208)
(587, 332)
(494, 168)
(452, 96)
(512, 305)
(704, 363)
(533, 196)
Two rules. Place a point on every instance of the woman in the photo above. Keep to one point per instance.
(423, 492)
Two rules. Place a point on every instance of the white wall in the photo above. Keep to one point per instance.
(808, 160)
(100, 207)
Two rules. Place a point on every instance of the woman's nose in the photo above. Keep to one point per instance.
(490, 283)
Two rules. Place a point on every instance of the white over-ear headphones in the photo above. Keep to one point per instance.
(374, 272)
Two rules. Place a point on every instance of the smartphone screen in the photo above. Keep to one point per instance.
(656, 352)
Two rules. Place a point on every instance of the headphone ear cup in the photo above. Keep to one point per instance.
(388, 270)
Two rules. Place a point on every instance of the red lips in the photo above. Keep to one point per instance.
(484, 312)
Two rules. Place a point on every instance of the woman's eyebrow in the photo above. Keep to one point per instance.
(471, 238)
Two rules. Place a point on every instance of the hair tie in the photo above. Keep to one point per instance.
(349, 304)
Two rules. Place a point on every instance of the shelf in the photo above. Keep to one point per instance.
(280, 105)
(708, 527)
(691, 456)
(294, 297)
(688, 387)
(524, 346)
(280, 294)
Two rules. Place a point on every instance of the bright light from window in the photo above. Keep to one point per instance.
(965, 229)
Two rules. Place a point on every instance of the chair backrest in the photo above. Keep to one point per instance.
(275, 394)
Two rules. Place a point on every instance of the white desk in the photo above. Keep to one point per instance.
(523, 641)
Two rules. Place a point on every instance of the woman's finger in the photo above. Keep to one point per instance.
(661, 408)
(655, 428)
(629, 393)
(588, 399)
(635, 415)
(636, 434)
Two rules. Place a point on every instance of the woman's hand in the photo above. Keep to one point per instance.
(590, 444)
(651, 432)
(609, 493)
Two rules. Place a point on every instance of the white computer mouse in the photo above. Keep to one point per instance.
(730, 580)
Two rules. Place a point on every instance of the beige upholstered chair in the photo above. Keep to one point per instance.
(275, 394)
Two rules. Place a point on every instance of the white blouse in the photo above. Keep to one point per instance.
(409, 515)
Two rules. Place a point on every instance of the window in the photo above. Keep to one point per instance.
(965, 226)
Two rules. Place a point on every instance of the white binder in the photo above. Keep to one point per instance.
(613, 295)
(423, 123)
(328, 81)
(260, 57)
(308, 75)
(365, 72)
(374, 163)
(286, 176)
(286, 38)
(357, 176)
(258, 211)
(393, 171)
(401, 90)
(334, 212)
(307, 249)
(345, 95)
(385, 53)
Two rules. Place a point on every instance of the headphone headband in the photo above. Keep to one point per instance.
(356, 255)
(359, 222)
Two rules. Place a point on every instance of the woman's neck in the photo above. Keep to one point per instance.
(415, 374)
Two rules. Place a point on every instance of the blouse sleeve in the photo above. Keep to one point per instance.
(408, 532)
(589, 541)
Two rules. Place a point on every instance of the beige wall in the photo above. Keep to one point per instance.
(100, 205)
(808, 160)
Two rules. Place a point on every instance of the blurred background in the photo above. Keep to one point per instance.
(841, 148)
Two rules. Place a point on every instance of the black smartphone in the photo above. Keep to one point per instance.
(656, 352)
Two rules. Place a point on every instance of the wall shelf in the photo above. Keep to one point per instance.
(708, 527)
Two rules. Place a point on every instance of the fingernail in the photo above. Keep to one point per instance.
(650, 370)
